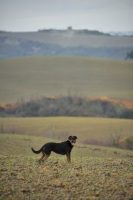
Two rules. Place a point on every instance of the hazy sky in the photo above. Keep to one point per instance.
(31, 15)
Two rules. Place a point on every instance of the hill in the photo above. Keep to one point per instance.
(20, 145)
(95, 173)
(99, 131)
(34, 77)
(64, 42)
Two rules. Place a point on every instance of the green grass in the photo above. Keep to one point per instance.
(60, 127)
(25, 78)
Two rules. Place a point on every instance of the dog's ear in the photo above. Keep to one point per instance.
(70, 137)
(75, 137)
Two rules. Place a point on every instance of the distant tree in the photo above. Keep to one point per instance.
(129, 55)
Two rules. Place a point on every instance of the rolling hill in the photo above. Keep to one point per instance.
(34, 77)
(64, 42)
(99, 130)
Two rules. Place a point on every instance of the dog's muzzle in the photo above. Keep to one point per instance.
(73, 142)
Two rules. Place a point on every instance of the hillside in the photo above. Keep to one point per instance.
(34, 77)
(95, 173)
(102, 131)
(20, 145)
(64, 42)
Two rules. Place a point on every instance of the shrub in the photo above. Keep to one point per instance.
(68, 106)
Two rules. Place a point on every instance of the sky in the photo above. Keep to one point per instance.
(34, 15)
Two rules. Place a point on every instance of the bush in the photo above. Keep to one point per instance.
(126, 143)
(68, 106)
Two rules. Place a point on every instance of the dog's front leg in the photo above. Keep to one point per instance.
(68, 158)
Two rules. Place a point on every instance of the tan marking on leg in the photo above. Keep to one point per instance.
(46, 156)
(68, 158)
(40, 160)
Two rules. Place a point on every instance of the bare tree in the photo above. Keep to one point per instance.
(115, 138)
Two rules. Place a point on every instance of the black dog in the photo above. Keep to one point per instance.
(63, 148)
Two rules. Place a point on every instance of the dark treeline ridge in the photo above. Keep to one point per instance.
(66, 106)
(80, 31)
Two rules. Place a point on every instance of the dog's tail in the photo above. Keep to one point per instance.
(37, 152)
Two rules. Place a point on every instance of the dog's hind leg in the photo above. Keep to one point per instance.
(41, 159)
(46, 156)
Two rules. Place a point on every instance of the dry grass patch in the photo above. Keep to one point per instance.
(86, 178)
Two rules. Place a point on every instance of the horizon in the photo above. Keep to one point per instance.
(128, 33)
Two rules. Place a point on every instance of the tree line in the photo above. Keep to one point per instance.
(67, 106)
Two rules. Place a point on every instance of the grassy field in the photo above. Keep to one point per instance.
(60, 128)
(95, 172)
(32, 77)
(13, 144)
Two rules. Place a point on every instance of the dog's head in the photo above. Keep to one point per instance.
(72, 140)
